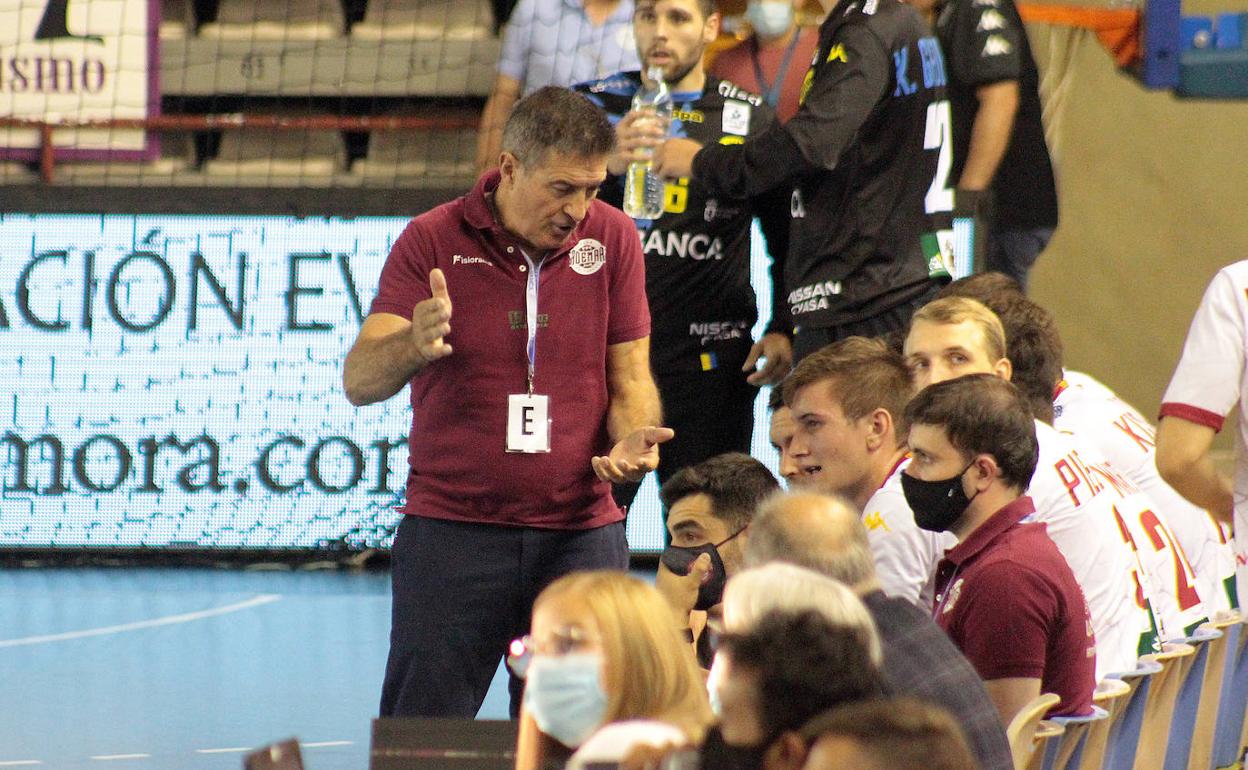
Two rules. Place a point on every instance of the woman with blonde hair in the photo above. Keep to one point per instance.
(605, 670)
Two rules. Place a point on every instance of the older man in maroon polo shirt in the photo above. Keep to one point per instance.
(526, 406)
(1004, 593)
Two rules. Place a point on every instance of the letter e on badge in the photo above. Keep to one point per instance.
(587, 256)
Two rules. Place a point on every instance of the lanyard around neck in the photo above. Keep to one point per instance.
(771, 91)
(532, 286)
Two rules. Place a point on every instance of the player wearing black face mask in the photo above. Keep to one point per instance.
(709, 508)
(1004, 594)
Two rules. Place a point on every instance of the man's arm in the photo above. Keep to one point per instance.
(390, 349)
(843, 93)
(1183, 461)
(1009, 695)
(497, 109)
(633, 414)
(990, 133)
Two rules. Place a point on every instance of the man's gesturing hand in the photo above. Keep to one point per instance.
(633, 456)
(431, 320)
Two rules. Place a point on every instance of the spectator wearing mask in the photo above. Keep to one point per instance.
(846, 401)
(773, 60)
(889, 733)
(1005, 594)
(956, 336)
(709, 507)
(786, 670)
(605, 671)
(826, 534)
(553, 43)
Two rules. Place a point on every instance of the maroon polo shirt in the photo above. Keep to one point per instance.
(592, 295)
(1008, 600)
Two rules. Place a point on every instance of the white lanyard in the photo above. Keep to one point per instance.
(530, 307)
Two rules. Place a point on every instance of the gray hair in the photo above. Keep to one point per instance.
(556, 119)
(819, 532)
(753, 593)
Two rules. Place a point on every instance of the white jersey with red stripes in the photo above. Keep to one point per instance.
(1127, 440)
(1081, 522)
(905, 556)
(1212, 378)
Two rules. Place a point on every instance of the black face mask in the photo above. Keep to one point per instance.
(717, 755)
(937, 505)
(678, 558)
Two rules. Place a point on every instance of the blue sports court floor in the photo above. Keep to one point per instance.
(146, 668)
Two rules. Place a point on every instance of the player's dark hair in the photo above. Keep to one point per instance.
(804, 665)
(556, 119)
(897, 732)
(736, 484)
(707, 7)
(988, 288)
(863, 373)
(982, 414)
(1034, 348)
(775, 399)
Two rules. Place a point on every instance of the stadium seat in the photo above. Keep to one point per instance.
(1128, 720)
(1188, 733)
(1112, 695)
(425, 20)
(16, 173)
(1176, 660)
(177, 19)
(258, 157)
(1021, 731)
(276, 20)
(416, 156)
(1067, 750)
(177, 156)
(1048, 734)
(1231, 734)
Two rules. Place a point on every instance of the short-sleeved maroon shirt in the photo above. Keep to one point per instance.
(1008, 600)
(592, 295)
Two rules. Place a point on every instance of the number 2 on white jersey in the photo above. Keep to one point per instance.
(938, 134)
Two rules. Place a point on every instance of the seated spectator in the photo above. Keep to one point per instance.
(780, 433)
(1081, 405)
(846, 400)
(787, 669)
(826, 534)
(1005, 595)
(888, 733)
(778, 587)
(554, 43)
(955, 336)
(605, 671)
(709, 507)
(773, 60)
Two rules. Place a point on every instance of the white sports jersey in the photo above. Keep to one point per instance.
(905, 556)
(1212, 377)
(1127, 440)
(1081, 523)
(1167, 578)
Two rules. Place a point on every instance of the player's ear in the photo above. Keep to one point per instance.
(710, 30)
(508, 166)
(1004, 369)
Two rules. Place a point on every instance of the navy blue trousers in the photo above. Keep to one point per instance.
(461, 593)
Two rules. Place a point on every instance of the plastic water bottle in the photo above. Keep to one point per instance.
(643, 189)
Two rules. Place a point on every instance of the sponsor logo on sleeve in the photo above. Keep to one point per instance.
(996, 45)
(990, 20)
(837, 53)
(587, 256)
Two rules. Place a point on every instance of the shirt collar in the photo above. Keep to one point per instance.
(997, 525)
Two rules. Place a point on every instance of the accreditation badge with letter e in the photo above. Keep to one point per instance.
(528, 423)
